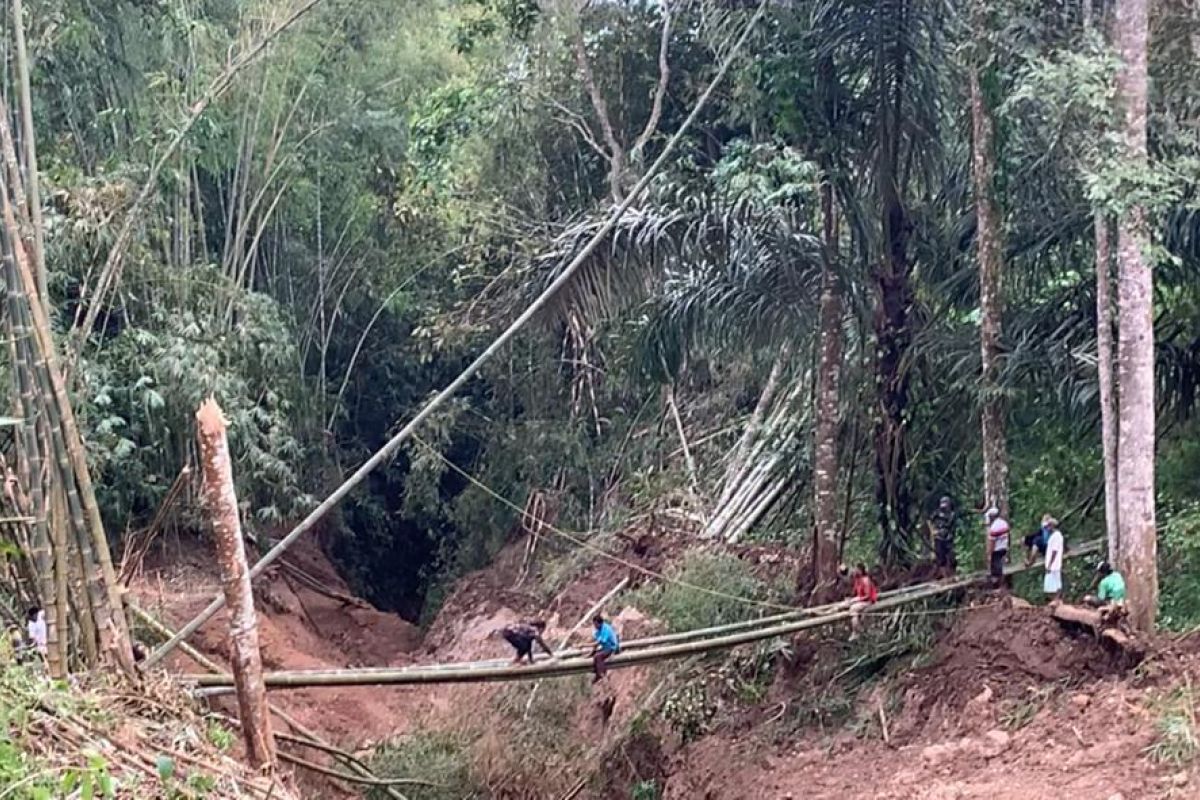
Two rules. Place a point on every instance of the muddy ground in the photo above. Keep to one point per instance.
(1010, 704)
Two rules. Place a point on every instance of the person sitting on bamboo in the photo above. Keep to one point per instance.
(523, 635)
(607, 645)
(866, 594)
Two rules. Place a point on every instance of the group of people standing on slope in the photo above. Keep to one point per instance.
(1047, 542)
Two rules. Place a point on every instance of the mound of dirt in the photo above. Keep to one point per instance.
(997, 652)
(1013, 707)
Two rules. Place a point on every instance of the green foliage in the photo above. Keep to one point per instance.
(1179, 566)
(645, 790)
(747, 673)
(437, 758)
(1177, 744)
(689, 711)
(685, 607)
(220, 736)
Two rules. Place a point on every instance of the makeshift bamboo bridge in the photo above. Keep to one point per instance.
(633, 652)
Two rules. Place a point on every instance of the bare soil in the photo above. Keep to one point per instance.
(1011, 704)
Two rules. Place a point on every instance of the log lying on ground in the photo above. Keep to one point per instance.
(1092, 618)
(481, 673)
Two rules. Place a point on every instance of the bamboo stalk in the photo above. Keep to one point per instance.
(41, 552)
(29, 144)
(65, 428)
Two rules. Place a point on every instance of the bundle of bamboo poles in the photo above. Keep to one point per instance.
(72, 572)
(758, 475)
(570, 662)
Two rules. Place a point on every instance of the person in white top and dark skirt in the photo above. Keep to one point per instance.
(997, 544)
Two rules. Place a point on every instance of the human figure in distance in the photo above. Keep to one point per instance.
(866, 593)
(997, 545)
(944, 522)
(1110, 594)
(1035, 543)
(523, 635)
(606, 646)
(35, 627)
(1055, 546)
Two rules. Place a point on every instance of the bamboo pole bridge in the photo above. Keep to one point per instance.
(633, 652)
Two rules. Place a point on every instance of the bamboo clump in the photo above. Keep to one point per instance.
(67, 540)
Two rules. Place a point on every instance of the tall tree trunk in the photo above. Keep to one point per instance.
(1135, 343)
(828, 422)
(893, 302)
(221, 501)
(991, 301)
(1105, 357)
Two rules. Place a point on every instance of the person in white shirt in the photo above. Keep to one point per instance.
(997, 544)
(1052, 582)
(36, 629)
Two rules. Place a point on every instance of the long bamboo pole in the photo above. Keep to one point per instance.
(575, 665)
(385, 453)
(29, 145)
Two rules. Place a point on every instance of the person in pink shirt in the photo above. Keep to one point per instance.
(997, 544)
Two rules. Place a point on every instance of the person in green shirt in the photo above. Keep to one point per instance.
(1111, 591)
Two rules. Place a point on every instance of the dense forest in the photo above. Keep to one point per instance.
(901, 250)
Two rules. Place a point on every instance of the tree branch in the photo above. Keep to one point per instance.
(660, 91)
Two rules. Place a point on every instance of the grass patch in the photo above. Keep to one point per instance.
(1176, 743)
(438, 758)
(1019, 714)
(684, 607)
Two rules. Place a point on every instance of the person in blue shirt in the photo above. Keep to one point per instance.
(607, 645)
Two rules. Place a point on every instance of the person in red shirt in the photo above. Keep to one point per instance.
(865, 595)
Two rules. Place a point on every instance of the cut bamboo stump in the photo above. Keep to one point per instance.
(221, 502)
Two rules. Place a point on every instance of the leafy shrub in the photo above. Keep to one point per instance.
(684, 607)
(1177, 743)
(1179, 567)
(689, 711)
(645, 790)
(437, 758)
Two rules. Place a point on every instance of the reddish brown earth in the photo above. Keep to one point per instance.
(1010, 706)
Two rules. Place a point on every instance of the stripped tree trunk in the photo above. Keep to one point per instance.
(221, 501)
(828, 422)
(1105, 357)
(1135, 285)
(991, 301)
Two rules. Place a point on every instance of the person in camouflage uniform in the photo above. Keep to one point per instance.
(944, 523)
